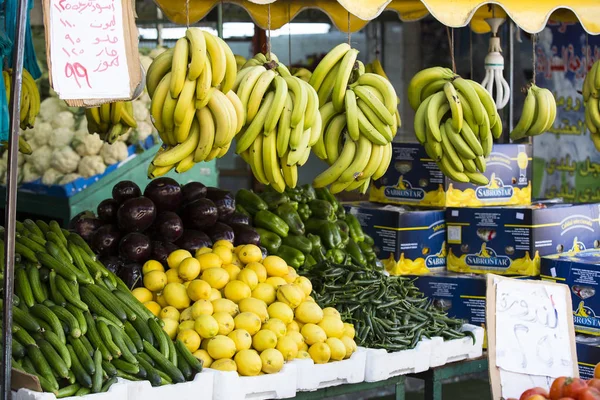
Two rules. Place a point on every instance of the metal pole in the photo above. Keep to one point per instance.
(11, 196)
(159, 28)
(511, 75)
(220, 20)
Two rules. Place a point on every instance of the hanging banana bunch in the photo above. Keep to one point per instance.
(281, 124)
(360, 118)
(111, 120)
(193, 107)
(539, 113)
(239, 61)
(301, 73)
(30, 105)
(591, 94)
(456, 120)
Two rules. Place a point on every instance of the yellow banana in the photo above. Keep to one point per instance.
(296, 154)
(222, 119)
(207, 134)
(486, 99)
(116, 109)
(247, 84)
(543, 113)
(214, 153)
(183, 101)
(449, 151)
(232, 115)
(459, 144)
(367, 129)
(127, 115)
(182, 130)
(316, 130)
(198, 56)
(342, 79)
(239, 110)
(455, 106)
(450, 172)
(290, 173)
(420, 124)
(185, 165)
(477, 178)
(203, 83)
(179, 66)
(167, 116)
(327, 63)
(158, 101)
(378, 68)
(105, 112)
(435, 104)
(527, 115)
(326, 89)
(95, 114)
(155, 172)
(230, 67)
(312, 105)
(342, 163)
(422, 79)
(375, 159)
(472, 98)
(361, 158)
(379, 125)
(180, 151)
(284, 127)
(304, 158)
(281, 94)
(160, 66)
(338, 187)
(204, 102)
(374, 104)
(256, 126)
(217, 57)
(271, 163)
(300, 95)
(257, 157)
(332, 137)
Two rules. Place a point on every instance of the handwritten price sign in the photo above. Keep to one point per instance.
(88, 51)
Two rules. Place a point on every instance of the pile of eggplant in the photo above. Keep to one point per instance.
(131, 228)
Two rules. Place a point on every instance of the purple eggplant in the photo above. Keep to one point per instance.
(135, 247)
(165, 192)
(107, 210)
(106, 240)
(238, 218)
(161, 250)
(85, 224)
(125, 190)
(193, 240)
(112, 263)
(224, 201)
(136, 215)
(221, 231)
(168, 226)
(200, 214)
(245, 234)
(193, 191)
(131, 274)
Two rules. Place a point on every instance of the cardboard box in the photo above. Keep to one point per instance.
(408, 241)
(581, 272)
(511, 240)
(588, 355)
(415, 179)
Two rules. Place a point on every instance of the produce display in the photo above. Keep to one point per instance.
(196, 113)
(305, 226)
(239, 311)
(30, 104)
(591, 86)
(77, 327)
(456, 121)
(564, 388)
(539, 113)
(282, 121)
(301, 73)
(131, 228)
(111, 120)
(360, 118)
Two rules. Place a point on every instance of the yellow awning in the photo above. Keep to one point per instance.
(529, 15)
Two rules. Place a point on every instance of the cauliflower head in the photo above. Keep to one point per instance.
(61, 137)
(90, 166)
(51, 177)
(41, 157)
(114, 153)
(65, 160)
(86, 144)
(64, 119)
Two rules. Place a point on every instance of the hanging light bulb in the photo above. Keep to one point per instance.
(494, 67)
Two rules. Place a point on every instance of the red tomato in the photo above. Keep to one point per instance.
(573, 386)
(537, 397)
(532, 392)
(556, 390)
(566, 398)
(589, 393)
(594, 383)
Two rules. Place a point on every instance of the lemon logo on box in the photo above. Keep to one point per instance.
(404, 190)
(494, 190)
(487, 257)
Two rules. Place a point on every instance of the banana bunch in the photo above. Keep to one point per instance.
(239, 61)
(30, 98)
(375, 67)
(281, 121)
(24, 146)
(111, 120)
(193, 107)
(539, 112)
(360, 118)
(456, 120)
(301, 73)
(591, 94)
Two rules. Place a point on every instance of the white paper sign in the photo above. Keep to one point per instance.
(513, 383)
(88, 53)
(532, 330)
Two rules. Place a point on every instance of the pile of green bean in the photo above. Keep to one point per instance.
(388, 312)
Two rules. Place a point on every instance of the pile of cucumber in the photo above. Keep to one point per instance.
(76, 325)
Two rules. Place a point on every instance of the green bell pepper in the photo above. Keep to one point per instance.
(356, 232)
(293, 257)
(298, 242)
(274, 199)
(309, 192)
(355, 253)
(369, 240)
(317, 247)
(271, 222)
(341, 211)
(239, 208)
(304, 211)
(330, 235)
(366, 249)
(344, 228)
(269, 240)
(322, 209)
(309, 261)
(250, 201)
(290, 216)
(313, 225)
(294, 194)
(335, 255)
(325, 194)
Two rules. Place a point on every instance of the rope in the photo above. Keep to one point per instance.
(349, 41)
(587, 52)
(187, 13)
(451, 44)
(377, 42)
(269, 32)
(533, 55)
(289, 36)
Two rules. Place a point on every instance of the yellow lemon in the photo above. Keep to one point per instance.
(186, 315)
(303, 355)
(241, 338)
(209, 260)
(337, 348)
(203, 356)
(169, 312)
(304, 284)
(333, 326)
(237, 249)
(303, 347)
(248, 362)
(221, 347)
(225, 322)
(300, 324)
(216, 277)
(206, 326)
(349, 330)
(186, 284)
(224, 364)
(309, 312)
(249, 277)
(276, 281)
(202, 250)
(255, 306)
(293, 327)
(281, 311)
(291, 295)
(215, 294)
(160, 299)
(261, 271)
(247, 321)
(272, 361)
(176, 296)
(288, 347)
(155, 281)
(276, 266)
(191, 339)
(202, 307)
(152, 265)
(313, 334)
(277, 326)
(189, 269)
(153, 306)
(225, 305)
(291, 276)
(173, 276)
(185, 325)
(224, 243)
(330, 311)
(170, 327)
(309, 298)
(264, 339)
(198, 289)
(224, 254)
(237, 290)
(297, 337)
(264, 292)
(320, 353)
(250, 253)
(232, 270)
(235, 260)
(204, 344)
(142, 294)
(176, 257)
(350, 346)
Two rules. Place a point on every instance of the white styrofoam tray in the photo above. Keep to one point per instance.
(118, 391)
(199, 388)
(382, 365)
(231, 386)
(448, 351)
(313, 376)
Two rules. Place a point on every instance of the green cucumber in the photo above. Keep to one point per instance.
(28, 366)
(81, 374)
(32, 227)
(46, 314)
(22, 335)
(185, 368)
(67, 293)
(79, 242)
(87, 345)
(66, 317)
(117, 336)
(134, 336)
(17, 349)
(109, 368)
(41, 364)
(151, 374)
(26, 320)
(158, 334)
(95, 338)
(37, 239)
(25, 252)
(97, 378)
(42, 225)
(55, 228)
(125, 375)
(33, 274)
(96, 306)
(53, 358)
(59, 346)
(146, 357)
(141, 327)
(83, 391)
(163, 363)
(107, 299)
(184, 352)
(129, 300)
(108, 339)
(78, 260)
(108, 384)
(78, 314)
(126, 366)
(68, 391)
(22, 287)
(31, 244)
(83, 355)
(52, 263)
(55, 294)
(172, 352)
(128, 342)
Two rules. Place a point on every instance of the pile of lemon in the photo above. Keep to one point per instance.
(239, 312)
